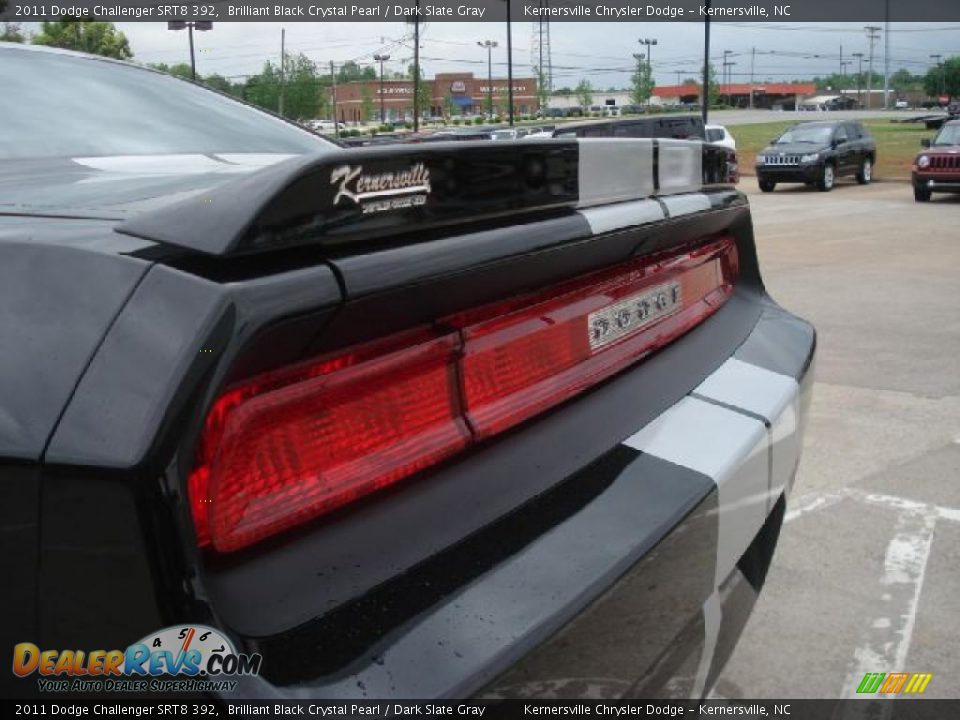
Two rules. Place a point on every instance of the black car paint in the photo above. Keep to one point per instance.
(97, 527)
(847, 156)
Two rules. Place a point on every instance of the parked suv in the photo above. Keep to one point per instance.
(817, 153)
(937, 168)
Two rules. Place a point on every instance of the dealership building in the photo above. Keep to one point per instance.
(450, 94)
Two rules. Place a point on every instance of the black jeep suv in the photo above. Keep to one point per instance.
(816, 153)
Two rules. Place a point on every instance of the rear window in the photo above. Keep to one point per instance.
(714, 135)
(59, 105)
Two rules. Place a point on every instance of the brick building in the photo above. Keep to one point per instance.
(450, 94)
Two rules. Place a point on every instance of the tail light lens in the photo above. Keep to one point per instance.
(524, 360)
(283, 447)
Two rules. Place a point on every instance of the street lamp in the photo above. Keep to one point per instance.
(489, 45)
(381, 59)
(199, 26)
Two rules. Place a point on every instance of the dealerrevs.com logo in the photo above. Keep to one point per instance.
(192, 658)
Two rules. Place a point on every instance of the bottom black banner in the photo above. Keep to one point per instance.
(860, 709)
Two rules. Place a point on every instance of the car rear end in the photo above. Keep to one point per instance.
(495, 419)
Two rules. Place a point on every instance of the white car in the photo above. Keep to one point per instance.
(902, 105)
(719, 135)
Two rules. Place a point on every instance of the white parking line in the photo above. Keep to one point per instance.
(887, 634)
(813, 502)
(887, 638)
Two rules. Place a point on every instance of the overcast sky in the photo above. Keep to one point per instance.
(599, 52)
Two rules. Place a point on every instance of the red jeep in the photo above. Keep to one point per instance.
(937, 167)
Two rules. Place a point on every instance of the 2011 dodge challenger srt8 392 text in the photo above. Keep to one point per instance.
(409, 421)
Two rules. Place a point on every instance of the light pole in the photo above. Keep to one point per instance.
(859, 57)
(200, 26)
(489, 45)
(381, 58)
(705, 102)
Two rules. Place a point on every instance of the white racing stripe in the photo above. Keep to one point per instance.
(730, 448)
(749, 463)
(770, 395)
(681, 166)
(615, 169)
(607, 218)
(678, 205)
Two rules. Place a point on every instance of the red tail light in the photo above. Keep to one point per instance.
(525, 360)
(287, 446)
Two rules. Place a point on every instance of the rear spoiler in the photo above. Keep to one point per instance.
(362, 194)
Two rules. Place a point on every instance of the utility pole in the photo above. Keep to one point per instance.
(416, 71)
(872, 37)
(489, 45)
(886, 55)
(859, 57)
(724, 77)
(705, 102)
(283, 67)
(381, 58)
(753, 60)
(333, 86)
(509, 64)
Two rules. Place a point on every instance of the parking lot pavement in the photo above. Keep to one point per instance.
(866, 577)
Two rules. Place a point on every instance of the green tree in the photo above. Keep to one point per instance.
(12, 32)
(584, 93)
(263, 89)
(503, 101)
(181, 70)
(350, 71)
(903, 80)
(450, 106)
(423, 98)
(641, 84)
(219, 82)
(713, 92)
(366, 104)
(97, 38)
(302, 83)
(944, 79)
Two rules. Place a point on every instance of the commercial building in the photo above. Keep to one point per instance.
(451, 94)
(780, 96)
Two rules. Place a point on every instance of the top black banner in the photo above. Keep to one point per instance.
(793, 11)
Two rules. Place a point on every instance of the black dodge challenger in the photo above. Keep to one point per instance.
(411, 421)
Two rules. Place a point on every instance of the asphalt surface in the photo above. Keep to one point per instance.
(866, 577)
